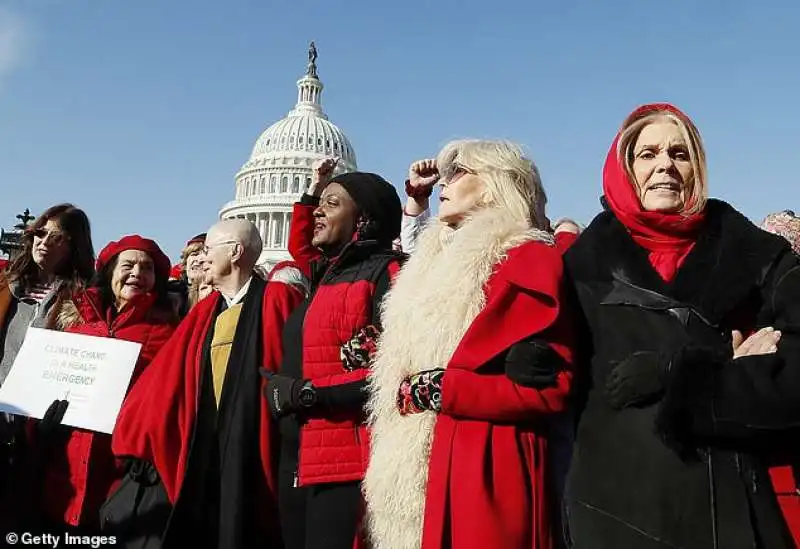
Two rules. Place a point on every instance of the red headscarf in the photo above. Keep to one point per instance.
(668, 237)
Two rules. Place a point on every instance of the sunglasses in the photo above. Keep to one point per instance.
(453, 172)
(56, 237)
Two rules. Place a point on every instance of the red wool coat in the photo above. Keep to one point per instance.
(482, 458)
(76, 487)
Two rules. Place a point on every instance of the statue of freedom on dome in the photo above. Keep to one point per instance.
(312, 60)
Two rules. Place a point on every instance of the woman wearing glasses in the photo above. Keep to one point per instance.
(57, 259)
(472, 366)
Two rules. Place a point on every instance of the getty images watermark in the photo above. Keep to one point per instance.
(58, 540)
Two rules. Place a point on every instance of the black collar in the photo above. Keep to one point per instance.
(730, 259)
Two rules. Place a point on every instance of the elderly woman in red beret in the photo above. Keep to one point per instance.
(127, 300)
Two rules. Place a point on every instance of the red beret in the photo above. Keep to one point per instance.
(135, 242)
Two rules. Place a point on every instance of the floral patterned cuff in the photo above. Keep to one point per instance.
(421, 392)
(359, 350)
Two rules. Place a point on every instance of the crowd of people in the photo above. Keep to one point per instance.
(481, 378)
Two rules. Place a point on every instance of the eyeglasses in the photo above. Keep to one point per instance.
(56, 237)
(207, 249)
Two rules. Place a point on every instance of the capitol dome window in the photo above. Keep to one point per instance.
(319, 141)
(284, 184)
(308, 183)
(296, 185)
(263, 185)
(274, 184)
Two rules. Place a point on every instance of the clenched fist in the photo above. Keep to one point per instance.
(321, 174)
(423, 174)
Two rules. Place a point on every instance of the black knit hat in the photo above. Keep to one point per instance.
(377, 200)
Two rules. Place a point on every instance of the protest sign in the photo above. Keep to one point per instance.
(92, 373)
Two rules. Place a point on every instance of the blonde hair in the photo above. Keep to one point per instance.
(629, 134)
(192, 248)
(512, 181)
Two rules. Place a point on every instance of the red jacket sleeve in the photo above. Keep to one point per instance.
(521, 303)
(494, 397)
(301, 231)
(279, 302)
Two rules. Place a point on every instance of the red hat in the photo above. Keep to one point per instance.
(135, 242)
(176, 271)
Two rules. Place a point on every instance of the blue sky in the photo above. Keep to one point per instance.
(142, 112)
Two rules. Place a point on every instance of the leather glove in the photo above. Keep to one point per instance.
(421, 392)
(282, 393)
(636, 379)
(533, 363)
(50, 431)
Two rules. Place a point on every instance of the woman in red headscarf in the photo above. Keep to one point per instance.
(691, 379)
(128, 300)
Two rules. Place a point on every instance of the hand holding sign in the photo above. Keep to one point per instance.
(89, 373)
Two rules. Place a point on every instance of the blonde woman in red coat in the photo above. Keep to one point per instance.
(472, 364)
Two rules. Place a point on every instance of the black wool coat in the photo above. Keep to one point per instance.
(686, 466)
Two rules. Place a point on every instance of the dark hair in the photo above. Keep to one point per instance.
(102, 281)
(77, 269)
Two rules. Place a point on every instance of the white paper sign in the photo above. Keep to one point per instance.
(92, 373)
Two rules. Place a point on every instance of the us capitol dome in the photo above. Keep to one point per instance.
(279, 168)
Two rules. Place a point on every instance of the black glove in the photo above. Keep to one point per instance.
(636, 379)
(533, 363)
(50, 432)
(282, 393)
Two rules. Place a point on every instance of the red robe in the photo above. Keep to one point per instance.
(482, 459)
(157, 419)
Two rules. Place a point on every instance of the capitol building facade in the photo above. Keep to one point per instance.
(279, 168)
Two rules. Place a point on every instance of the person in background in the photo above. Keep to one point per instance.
(786, 477)
(289, 272)
(566, 232)
(127, 300)
(692, 378)
(192, 266)
(786, 224)
(57, 260)
(472, 366)
(196, 418)
(344, 238)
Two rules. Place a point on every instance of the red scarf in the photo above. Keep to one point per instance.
(668, 237)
